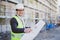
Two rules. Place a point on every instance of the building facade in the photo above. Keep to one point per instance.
(37, 10)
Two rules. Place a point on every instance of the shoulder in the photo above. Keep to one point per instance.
(13, 20)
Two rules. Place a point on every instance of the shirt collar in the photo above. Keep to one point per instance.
(19, 16)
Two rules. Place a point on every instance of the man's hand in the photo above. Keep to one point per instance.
(27, 30)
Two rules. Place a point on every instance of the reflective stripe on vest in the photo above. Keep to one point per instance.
(17, 36)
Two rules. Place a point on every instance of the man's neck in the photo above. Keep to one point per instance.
(19, 16)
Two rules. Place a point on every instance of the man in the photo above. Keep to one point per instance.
(17, 24)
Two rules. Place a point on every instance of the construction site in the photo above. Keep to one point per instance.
(34, 11)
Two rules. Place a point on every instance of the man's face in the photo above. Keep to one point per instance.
(20, 12)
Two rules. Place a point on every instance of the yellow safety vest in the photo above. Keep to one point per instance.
(17, 36)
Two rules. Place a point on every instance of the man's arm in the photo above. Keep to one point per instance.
(14, 25)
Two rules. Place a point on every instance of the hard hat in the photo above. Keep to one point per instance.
(19, 6)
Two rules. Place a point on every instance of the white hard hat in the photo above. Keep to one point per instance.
(19, 6)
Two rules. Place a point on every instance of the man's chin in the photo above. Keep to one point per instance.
(20, 15)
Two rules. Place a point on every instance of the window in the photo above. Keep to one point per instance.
(36, 16)
(16, 1)
(2, 10)
(36, 21)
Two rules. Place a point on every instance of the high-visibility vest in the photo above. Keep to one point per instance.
(17, 36)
